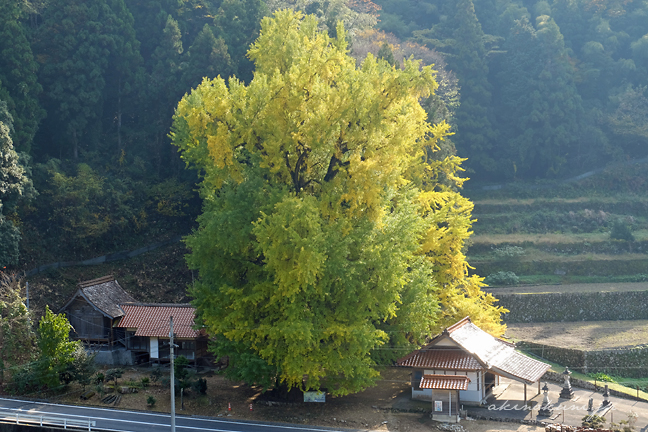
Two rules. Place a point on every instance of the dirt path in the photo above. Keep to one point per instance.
(591, 287)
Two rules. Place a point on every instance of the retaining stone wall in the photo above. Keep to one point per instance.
(581, 306)
(630, 362)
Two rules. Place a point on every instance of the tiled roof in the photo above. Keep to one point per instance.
(445, 382)
(105, 294)
(498, 355)
(153, 320)
(450, 359)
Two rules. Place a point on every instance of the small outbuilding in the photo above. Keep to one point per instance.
(462, 365)
(147, 329)
(93, 309)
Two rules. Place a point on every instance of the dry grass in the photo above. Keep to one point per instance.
(549, 238)
(528, 201)
(591, 335)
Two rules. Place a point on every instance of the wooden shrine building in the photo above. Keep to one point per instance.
(462, 365)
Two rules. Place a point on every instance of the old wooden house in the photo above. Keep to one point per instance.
(93, 309)
(462, 365)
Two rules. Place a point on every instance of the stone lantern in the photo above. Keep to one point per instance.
(606, 396)
(567, 392)
(545, 409)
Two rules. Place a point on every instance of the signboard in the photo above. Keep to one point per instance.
(438, 406)
(314, 396)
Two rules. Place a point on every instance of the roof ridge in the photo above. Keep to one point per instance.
(179, 305)
(103, 279)
(458, 324)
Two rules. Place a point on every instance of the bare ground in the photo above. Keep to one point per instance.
(369, 410)
(590, 335)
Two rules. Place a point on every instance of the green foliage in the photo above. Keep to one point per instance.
(17, 339)
(150, 401)
(145, 382)
(207, 57)
(385, 53)
(460, 35)
(56, 351)
(19, 86)
(601, 377)
(621, 231)
(114, 374)
(593, 421)
(15, 186)
(502, 278)
(180, 367)
(88, 65)
(304, 193)
(509, 252)
(81, 369)
(200, 386)
(156, 374)
(238, 23)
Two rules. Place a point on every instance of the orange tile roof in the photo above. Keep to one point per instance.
(445, 382)
(451, 359)
(153, 320)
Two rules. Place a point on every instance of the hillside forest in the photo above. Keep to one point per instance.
(531, 90)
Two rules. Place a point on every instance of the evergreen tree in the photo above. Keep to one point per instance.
(475, 135)
(90, 58)
(74, 56)
(15, 186)
(164, 91)
(386, 53)
(539, 109)
(124, 75)
(238, 23)
(207, 57)
(19, 86)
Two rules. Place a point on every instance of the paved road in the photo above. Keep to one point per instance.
(132, 421)
(509, 402)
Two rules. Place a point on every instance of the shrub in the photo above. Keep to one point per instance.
(99, 378)
(601, 377)
(156, 374)
(593, 421)
(502, 278)
(621, 231)
(145, 382)
(200, 386)
(509, 252)
(150, 401)
(113, 374)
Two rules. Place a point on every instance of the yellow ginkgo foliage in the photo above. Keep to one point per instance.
(327, 242)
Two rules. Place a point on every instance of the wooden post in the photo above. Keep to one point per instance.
(525, 394)
(538, 386)
(450, 403)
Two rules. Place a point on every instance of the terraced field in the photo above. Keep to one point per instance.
(561, 235)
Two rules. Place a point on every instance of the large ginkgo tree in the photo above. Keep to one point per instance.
(327, 242)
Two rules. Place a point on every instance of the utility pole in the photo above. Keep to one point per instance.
(172, 375)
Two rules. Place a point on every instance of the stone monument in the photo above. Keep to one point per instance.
(546, 409)
(567, 392)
